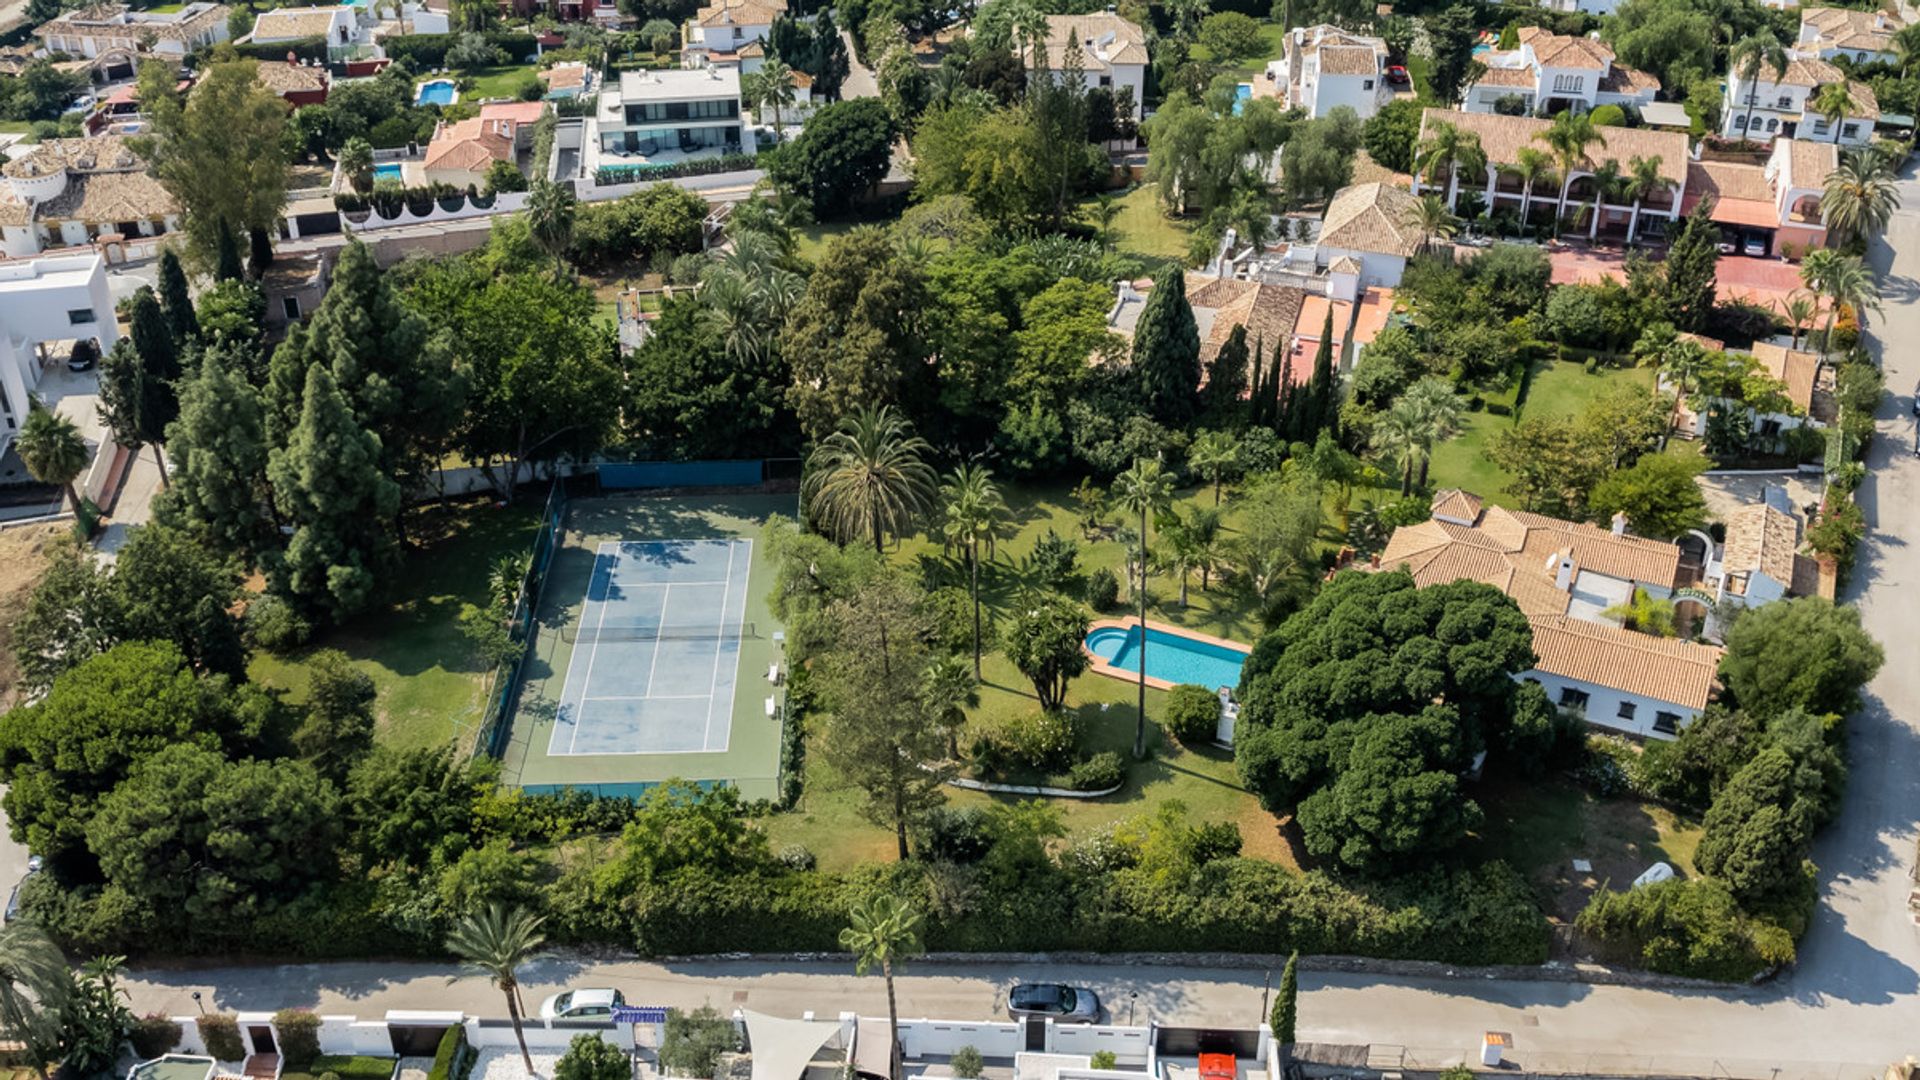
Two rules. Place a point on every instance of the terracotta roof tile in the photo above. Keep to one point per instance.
(1518, 78)
(1663, 669)
(1502, 137)
(1376, 217)
(1348, 60)
(1559, 50)
(1795, 367)
(1762, 538)
(288, 23)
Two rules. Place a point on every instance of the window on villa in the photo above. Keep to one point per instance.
(1627, 710)
(1666, 723)
(79, 316)
(1850, 131)
(1573, 699)
(1568, 84)
(291, 306)
(1739, 121)
(1786, 101)
(1106, 80)
(1772, 125)
(1367, 85)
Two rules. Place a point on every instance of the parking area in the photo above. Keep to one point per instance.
(1724, 494)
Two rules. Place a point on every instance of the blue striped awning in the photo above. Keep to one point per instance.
(639, 1014)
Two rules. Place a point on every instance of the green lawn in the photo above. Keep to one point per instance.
(1273, 35)
(828, 820)
(814, 238)
(1559, 388)
(428, 686)
(1143, 227)
(495, 82)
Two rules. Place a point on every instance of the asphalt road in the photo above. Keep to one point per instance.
(1852, 1006)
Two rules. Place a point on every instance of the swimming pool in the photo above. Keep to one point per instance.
(1241, 92)
(173, 1067)
(1173, 656)
(389, 171)
(436, 92)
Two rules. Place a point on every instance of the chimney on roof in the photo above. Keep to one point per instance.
(1619, 523)
(1563, 570)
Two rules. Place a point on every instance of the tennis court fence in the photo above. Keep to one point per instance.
(496, 722)
(574, 635)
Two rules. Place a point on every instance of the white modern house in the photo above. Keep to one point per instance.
(59, 298)
(1779, 104)
(339, 25)
(1565, 576)
(1578, 197)
(1550, 72)
(1113, 52)
(717, 33)
(1375, 227)
(1325, 67)
(668, 116)
(69, 192)
(1863, 36)
(116, 38)
(1590, 7)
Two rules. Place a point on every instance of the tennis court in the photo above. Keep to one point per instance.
(656, 649)
(656, 652)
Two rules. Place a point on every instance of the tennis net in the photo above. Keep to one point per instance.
(597, 634)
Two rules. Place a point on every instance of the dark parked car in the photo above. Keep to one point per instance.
(1074, 1005)
(85, 354)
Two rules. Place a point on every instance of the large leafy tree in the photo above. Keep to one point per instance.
(64, 753)
(880, 735)
(1044, 640)
(328, 485)
(193, 834)
(219, 449)
(692, 396)
(397, 375)
(1363, 708)
(1166, 353)
(839, 155)
(1658, 495)
(855, 339)
(1805, 653)
(221, 150)
(1761, 825)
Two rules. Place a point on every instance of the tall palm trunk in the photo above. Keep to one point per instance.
(1140, 717)
(513, 1013)
(874, 519)
(73, 496)
(895, 1063)
(973, 562)
(1406, 477)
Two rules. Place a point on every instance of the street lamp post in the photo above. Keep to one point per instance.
(197, 1001)
(1133, 998)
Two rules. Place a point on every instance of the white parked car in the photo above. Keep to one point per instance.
(581, 1005)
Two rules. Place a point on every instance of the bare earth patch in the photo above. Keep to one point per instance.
(23, 559)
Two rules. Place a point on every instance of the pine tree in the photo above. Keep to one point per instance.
(153, 339)
(1227, 373)
(1691, 271)
(398, 377)
(219, 451)
(226, 254)
(328, 484)
(1166, 353)
(175, 299)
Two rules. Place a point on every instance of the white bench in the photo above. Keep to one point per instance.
(773, 673)
(773, 706)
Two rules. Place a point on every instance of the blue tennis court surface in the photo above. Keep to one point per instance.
(656, 652)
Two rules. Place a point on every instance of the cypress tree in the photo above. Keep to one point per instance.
(1256, 386)
(175, 299)
(1692, 271)
(327, 482)
(1227, 373)
(1166, 353)
(259, 252)
(1320, 389)
(1286, 403)
(1286, 1004)
(143, 375)
(226, 254)
(219, 451)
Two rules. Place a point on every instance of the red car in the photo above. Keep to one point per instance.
(1397, 76)
(1218, 1067)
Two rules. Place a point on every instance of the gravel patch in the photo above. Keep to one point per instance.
(503, 1063)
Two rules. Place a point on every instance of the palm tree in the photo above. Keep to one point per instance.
(1860, 197)
(1832, 103)
(1144, 489)
(1203, 532)
(1028, 27)
(882, 932)
(949, 690)
(506, 576)
(1436, 221)
(34, 986)
(1800, 311)
(51, 448)
(1450, 149)
(1438, 409)
(1531, 166)
(974, 513)
(1643, 178)
(1101, 214)
(1396, 434)
(1906, 42)
(1849, 283)
(1568, 137)
(1644, 613)
(497, 941)
(1748, 56)
(1181, 556)
(771, 88)
(869, 477)
(1213, 455)
(550, 210)
(1683, 361)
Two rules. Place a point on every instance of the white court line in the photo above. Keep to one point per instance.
(650, 697)
(593, 653)
(653, 662)
(573, 658)
(720, 636)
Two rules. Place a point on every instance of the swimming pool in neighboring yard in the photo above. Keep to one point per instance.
(436, 92)
(1174, 656)
(1241, 92)
(173, 1067)
(389, 171)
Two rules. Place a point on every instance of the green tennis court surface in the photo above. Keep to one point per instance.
(654, 647)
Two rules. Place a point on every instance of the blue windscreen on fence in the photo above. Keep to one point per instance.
(659, 474)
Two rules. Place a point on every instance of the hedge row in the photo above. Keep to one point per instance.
(430, 50)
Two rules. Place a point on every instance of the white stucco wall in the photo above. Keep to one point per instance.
(1375, 268)
(1603, 705)
(1353, 91)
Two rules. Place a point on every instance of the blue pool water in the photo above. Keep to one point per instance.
(1481, 50)
(437, 92)
(389, 171)
(1170, 656)
(1241, 93)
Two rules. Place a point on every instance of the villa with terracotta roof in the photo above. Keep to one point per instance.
(1761, 560)
(1777, 203)
(114, 38)
(1550, 72)
(1324, 67)
(69, 192)
(1780, 104)
(1564, 576)
(1113, 52)
(1862, 36)
(462, 153)
(719, 32)
(1572, 197)
(1373, 226)
(296, 84)
(339, 25)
